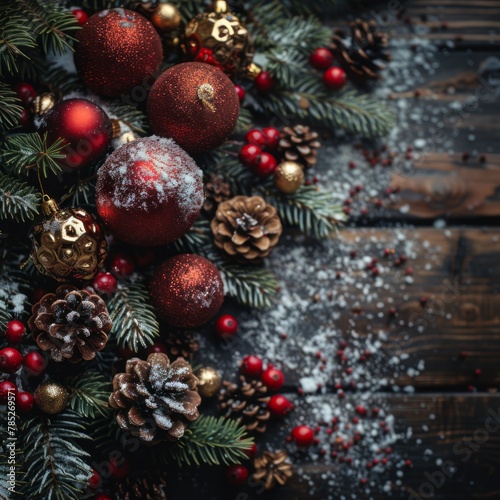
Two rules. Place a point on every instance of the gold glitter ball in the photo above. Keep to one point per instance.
(288, 176)
(166, 18)
(51, 397)
(209, 381)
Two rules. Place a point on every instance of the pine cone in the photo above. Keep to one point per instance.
(155, 400)
(272, 468)
(246, 227)
(367, 46)
(182, 344)
(71, 324)
(141, 486)
(246, 402)
(299, 144)
(216, 190)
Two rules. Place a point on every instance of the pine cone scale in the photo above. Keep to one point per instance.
(300, 144)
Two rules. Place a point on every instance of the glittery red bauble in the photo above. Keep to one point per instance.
(149, 192)
(187, 290)
(85, 128)
(195, 104)
(118, 51)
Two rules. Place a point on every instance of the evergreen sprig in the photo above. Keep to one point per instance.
(15, 40)
(18, 200)
(211, 441)
(134, 321)
(89, 394)
(55, 463)
(195, 240)
(11, 108)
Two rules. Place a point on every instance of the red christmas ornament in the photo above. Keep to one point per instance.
(249, 155)
(85, 128)
(335, 78)
(187, 290)
(24, 401)
(195, 104)
(122, 265)
(240, 92)
(255, 136)
(236, 475)
(321, 58)
(95, 480)
(10, 360)
(303, 436)
(118, 51)
(279, 406)
(6, 387)
(25, 92)
(15, 331)
(105, 283)
(266, 166)
(264, 82)
(81, 16)
(35, 363)
(273, 379)
(273, 136)
(251, 366)
(149, 192)
(226, 326)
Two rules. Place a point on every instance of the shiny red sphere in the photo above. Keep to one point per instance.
(273, 378)
(95, 480)
(121, 265)
(105, 283)
(236, 475)
(35, 363)
(252, 452)
(118, 51)
(279, 406)
(84, 127)
(102, 496)
(24, 402)
(15, 331)
(273, 136)
(10, 360)
(226, 326)
(25, 92)
(264, 82)
(25, 119)
(81, 16)
(249, 155)
(251, 366)
(266, 165)
(240, 92)
(303, 436)
(257, 137)
(335, 78)
(6, 387)
(321, 58)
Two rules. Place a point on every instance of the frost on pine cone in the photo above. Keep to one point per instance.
(246, 227)
(272, 468)
(155, 399)
(72, 324)
(299, 144)
(246, 402)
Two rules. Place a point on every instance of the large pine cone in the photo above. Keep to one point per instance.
(246, 227)
(300, 144)
(246, 402)
(272, 468)
(71, 324)
(155, 399)
(361, 58)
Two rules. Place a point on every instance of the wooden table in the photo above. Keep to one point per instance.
(449, 344)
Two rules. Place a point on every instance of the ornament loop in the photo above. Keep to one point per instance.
(205, 94)
(49, 205)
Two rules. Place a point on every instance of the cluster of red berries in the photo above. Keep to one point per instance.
(252, 154)
(333, 77)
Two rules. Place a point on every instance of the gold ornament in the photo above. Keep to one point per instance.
(219, 38)
(51, 397)
(43, 103)
(166, 17)
(68, 244)
(289, 176)
(209, 381)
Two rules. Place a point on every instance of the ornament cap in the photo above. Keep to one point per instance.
(49, 205)
(253, 70)
(220, 7)
(115, 128)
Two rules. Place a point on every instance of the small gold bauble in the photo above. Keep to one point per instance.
(166, 18)
(51, 397)
(289, 176)
(43, 103)
(209, 381)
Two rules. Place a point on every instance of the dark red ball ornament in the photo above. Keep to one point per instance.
(335, 78)
(187, 290)
(85, 128)
(119, 51)
(149, 192)
(195, 104)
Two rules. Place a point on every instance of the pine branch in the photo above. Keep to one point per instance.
(55, 462)
(131, 116)
(245, 121)
(61, 82)
(18, 200)
(15, 39)
(11, 109)
(82, 190)
(24, 152)
(211, 441)
(89, 394)
(195, 240)
(134, 322)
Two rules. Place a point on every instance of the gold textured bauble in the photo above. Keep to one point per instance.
(219, 38)
(68, 244)
(209, 381)
(43, 103)
(289, 176)
(166, 18)
(51, 397)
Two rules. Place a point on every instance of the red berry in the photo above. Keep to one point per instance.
(10, 360)
(240, 92)
(250, 154)
(226, 326)
(250, 453)
(157, 348)
(321, 58)
(95, 480)
(361, 410)
(279, 406)
(273, 136)
(6, 386)
(236, 475)
(81, 16)
(102, 496)
(264, 82)
(266, 166)
(144, 258)
(15, 331)
(273, 379)
(251, 366)
(255, 136)
(105, 283)
(335, 78)
(25, 92)
(121, 265)
(35, 363)
(303, 436)
(119, 468)
(24, 402)
(25, 119)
